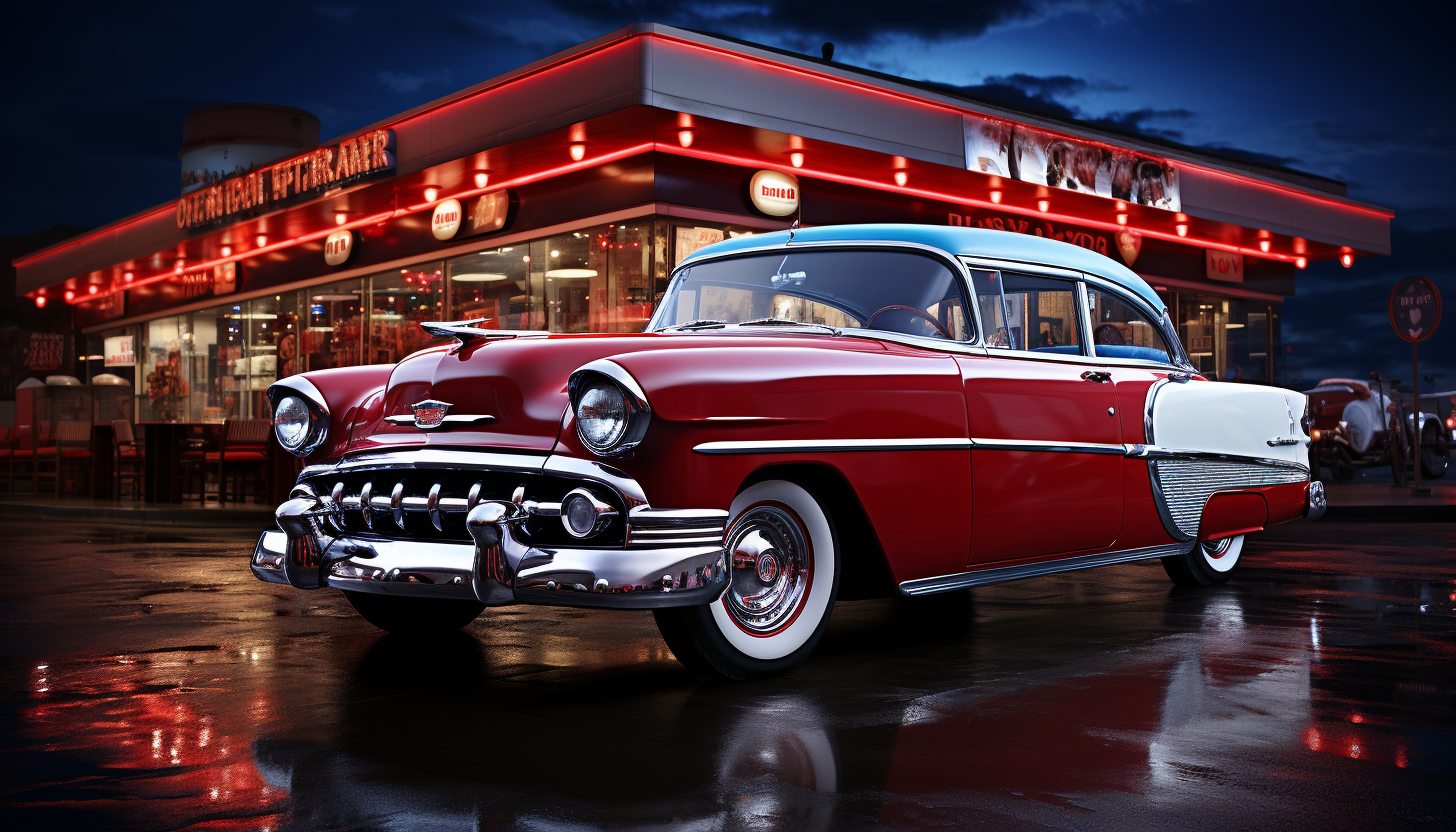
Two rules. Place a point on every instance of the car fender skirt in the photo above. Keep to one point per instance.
(1230, 513)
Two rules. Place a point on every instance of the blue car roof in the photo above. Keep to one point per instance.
(975, 242)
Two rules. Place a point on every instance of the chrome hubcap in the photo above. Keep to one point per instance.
(770, 569)
(1217, 548)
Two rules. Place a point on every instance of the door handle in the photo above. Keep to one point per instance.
(1097, 376)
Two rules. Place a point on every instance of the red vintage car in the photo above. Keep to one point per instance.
(812, 415)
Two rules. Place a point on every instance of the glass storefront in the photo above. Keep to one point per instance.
(1228, 339)
(215, 364)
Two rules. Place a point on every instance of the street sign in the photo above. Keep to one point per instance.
(1415, 309)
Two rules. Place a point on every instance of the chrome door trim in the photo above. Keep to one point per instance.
(993, 575)
(1044, 445)
(997, 264)
(799, 446)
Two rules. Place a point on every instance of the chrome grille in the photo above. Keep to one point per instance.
(1183, 486)
(429, 504)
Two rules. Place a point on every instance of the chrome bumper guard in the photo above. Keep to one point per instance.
(674, 567)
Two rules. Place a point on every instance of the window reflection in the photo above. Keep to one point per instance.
(399, 302)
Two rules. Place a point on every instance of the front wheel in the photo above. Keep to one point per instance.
(784, 577)
(414, 616)
(1210, 562)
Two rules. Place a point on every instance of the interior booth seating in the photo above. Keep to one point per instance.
(128, 459)
(242, 449)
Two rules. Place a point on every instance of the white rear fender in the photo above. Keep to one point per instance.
(1225, 418)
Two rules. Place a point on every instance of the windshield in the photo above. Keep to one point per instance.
(891, 291)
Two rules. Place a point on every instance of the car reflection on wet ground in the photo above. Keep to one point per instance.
(151, 683)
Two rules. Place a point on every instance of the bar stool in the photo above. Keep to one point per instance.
(126, 451)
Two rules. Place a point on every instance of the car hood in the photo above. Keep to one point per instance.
(520, 383)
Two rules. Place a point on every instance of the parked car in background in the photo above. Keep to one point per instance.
(1355, 426)
(813, 415)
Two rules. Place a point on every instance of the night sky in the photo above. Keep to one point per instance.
(1357, 92)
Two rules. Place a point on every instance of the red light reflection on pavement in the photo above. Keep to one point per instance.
(155, 746)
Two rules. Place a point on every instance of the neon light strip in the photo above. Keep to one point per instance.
(741, 161)
(517, 182)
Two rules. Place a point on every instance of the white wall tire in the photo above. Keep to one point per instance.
(784, 577)
(1207, 563)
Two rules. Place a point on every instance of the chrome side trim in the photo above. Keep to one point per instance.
(1054, 447)
(1152, 452)
(981, 577)
(790, 446)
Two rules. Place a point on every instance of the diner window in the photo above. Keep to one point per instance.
(174, 360)
(1021, 312)
(330, 326)
(399, 301)
(1121, 331)
(495, 285)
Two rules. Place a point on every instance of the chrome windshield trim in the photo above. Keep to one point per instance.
(800, 446)
(968, 294)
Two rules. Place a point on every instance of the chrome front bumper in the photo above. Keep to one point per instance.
(498, 569)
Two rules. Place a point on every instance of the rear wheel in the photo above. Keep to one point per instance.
(1210, 562)
(784, 577)
(414, 616)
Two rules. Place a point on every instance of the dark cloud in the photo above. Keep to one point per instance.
(855, 22)
(1223, 149)
(1145, 122)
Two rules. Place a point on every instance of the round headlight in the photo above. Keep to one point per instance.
(291, 422)
(601, 416)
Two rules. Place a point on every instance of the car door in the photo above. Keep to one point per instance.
(1047, 456)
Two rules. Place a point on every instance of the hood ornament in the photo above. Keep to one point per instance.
(469, 331)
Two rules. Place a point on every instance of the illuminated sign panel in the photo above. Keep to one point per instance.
(446, 219)
(301, 177)
(1030, 155)
(338, 246)
(118, 351)
(774, 193)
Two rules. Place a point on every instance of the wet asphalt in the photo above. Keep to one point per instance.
(150, 682)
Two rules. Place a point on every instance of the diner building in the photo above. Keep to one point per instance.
(559, 196)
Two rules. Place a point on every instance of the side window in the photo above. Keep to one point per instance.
(1121, 331)
(1021, 312)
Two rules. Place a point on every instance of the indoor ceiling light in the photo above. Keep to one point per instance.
(478, 277)
(572, 273)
